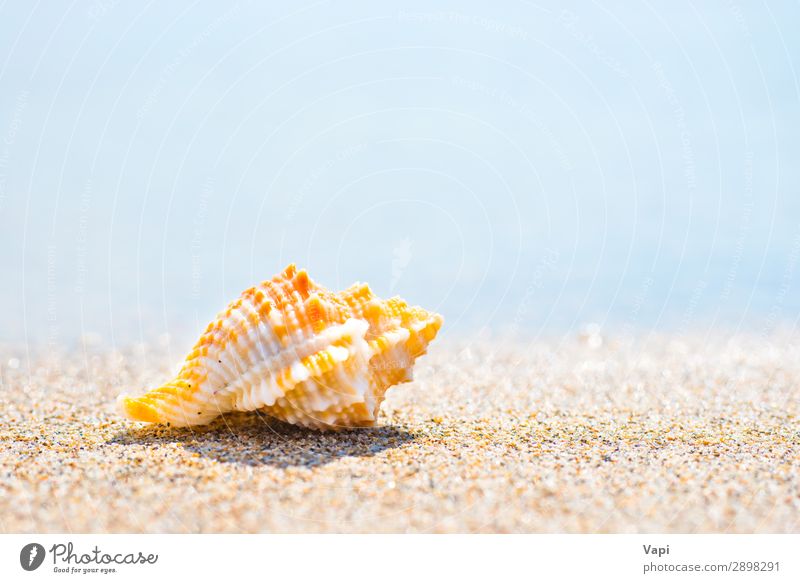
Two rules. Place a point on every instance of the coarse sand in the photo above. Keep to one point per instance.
(590, 434)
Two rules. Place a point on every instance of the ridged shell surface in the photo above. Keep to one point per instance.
(297, 351)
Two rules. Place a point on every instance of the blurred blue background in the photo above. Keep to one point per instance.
(518, 166)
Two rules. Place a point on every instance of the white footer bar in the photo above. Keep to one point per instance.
(350, 558)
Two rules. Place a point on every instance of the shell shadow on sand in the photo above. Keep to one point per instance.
(254, 440)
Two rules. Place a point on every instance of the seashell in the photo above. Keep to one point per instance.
(298, 352)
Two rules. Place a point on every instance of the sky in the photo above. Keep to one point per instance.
(520, 167)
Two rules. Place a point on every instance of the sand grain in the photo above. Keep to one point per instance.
(674, 434)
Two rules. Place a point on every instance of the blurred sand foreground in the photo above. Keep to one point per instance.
(667, 434)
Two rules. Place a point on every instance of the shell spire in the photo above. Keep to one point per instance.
(298, 352)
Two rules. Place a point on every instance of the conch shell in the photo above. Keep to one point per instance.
(298, 352)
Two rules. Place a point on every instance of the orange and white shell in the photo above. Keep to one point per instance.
(298, 352)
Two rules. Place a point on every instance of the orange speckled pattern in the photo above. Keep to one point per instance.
(298, 352)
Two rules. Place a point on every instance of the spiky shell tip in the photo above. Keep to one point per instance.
(297, 351)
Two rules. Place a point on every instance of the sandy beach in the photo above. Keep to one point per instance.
(588, 434)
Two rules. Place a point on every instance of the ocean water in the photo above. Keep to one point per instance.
(520, 167)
